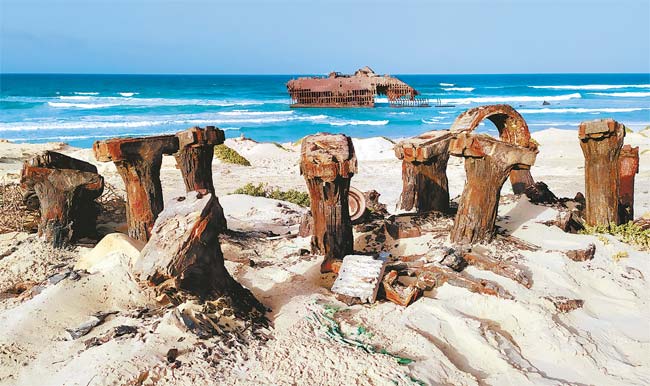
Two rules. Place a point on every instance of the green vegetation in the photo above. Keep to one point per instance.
(228, 155)
(628, 130)
(298, 142)
(263, 190)
(277, 144)
(629, 233)
(388, 139)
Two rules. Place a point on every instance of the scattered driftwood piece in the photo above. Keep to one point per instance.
(184, 254)
(519, 243)
(601, 142)
(397, 293)
(508, 269)
(568, 221)
(138, 162)
(66, 197)
(582, 254)
(564, 305)
(327, 163)
(437, 276)
(512, 129)
(359, 277)
(424, 171)
(628, 167)
(84, 328)
(488, 163)
(408, 225)
(194, 159)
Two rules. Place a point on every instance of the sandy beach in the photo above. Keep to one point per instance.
(453, 336)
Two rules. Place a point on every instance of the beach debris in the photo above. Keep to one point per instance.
(358, 279)
(66, 189)
(601, 141)
(172, 354)
(539, 193)
(359, 204)
(511, 270)
(358, 90)
(454, 258)
(184, 254)
(512, 129)
(194, 158)
(327, 163)
(356, 204)
(628, 167)
(397, 293)
(84, 328)
(582, 254)
(563, 304)
(138, 162)
(407, 225)
(124, 330)
(424, 171)
(568, 221)
(488, 163)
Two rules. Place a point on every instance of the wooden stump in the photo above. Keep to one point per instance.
(184, 253)
(512, 129)
(488, 162)
(628, 167)
(424, 171)
(194, 159)
(138, 162)
(66, 189)
(601, 142)
(328, 163)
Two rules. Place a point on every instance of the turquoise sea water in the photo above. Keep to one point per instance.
(80, 109)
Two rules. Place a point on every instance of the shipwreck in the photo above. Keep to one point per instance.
(358, 90)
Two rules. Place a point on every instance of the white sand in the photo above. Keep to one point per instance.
(455, 336)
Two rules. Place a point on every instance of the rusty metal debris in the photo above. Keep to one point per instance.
(358, 90)
(628, 167)
(358, 278)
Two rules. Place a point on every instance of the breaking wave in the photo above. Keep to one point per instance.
(579, 110)
(490, 99)
(80, 105)
(447, 84)
(357, 123)
(85, 93)
(468, 89)
(592, 86)
(128, 94)
(623, 94)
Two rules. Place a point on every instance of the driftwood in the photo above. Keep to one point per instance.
(184, 253)
(138, 161)
(512, 129)
(628, 167)
(435, 276)
(424, 171)
(194, 159)
(328, 163)
(503, 268)
(601, 143)
(488, 163)
(66, 189)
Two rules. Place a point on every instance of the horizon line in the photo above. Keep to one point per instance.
(311, 74)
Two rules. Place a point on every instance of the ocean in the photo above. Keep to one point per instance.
(80, 109)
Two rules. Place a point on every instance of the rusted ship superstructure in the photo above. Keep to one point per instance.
(358, 90)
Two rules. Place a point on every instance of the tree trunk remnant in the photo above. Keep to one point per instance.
(424, 171)
(66, 189)
(488, 162)
(628, 167)
(194, 159)
(328, 162)
(512, 129)
(184, 254)
(601, 142)
(138, 162)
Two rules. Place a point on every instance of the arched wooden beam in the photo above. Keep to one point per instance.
(512, 129)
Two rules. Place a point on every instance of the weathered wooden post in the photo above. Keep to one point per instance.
(184, 253)
(488, 162)
(66, 189)
(138, 161)
(601, 142)
(628, 167)
(328, 163)
(512, 129)
(194, 159)
(424, 171)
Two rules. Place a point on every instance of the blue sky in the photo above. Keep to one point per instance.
(292, 36)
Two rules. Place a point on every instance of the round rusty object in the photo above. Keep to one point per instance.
(356, 203)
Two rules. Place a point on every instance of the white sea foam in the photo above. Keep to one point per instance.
(431, 121)
(238, 113)
(75, 98)
(85, 93)
(623, 94)
(357, 123)
(592, 86)
(447, 84)
(580, 110)
(459, 89)
(128, 94)
(80, 105)
(525, 98)
(95, 102)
